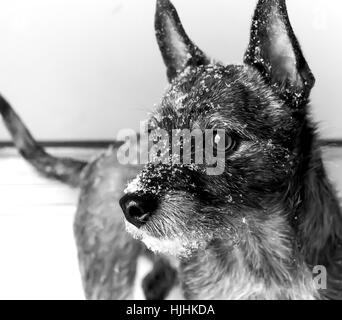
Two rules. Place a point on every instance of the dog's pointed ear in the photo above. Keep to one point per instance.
(274, 50)
(177, 49)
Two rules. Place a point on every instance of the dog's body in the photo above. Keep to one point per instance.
(253, 232)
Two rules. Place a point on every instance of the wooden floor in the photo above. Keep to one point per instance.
(38, 254)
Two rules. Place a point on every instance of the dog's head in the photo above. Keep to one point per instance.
(251, 116)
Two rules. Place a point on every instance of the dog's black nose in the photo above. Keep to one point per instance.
(138, 208)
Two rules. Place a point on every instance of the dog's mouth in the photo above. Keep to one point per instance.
(157, 244)
(168, 242)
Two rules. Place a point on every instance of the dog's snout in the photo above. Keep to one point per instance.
(138, 208)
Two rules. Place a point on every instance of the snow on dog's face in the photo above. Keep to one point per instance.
(249, 116)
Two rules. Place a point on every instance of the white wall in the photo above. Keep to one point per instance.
(83, 69)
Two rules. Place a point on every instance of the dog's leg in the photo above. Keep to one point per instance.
(160, 281)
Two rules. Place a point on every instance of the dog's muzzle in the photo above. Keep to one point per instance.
(138, 208)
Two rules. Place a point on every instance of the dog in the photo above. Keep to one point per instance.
(258, 228)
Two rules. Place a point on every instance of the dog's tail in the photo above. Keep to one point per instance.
(63, 169)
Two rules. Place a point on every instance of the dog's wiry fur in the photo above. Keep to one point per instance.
(253, 232)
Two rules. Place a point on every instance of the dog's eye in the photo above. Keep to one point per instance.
(229, 141)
